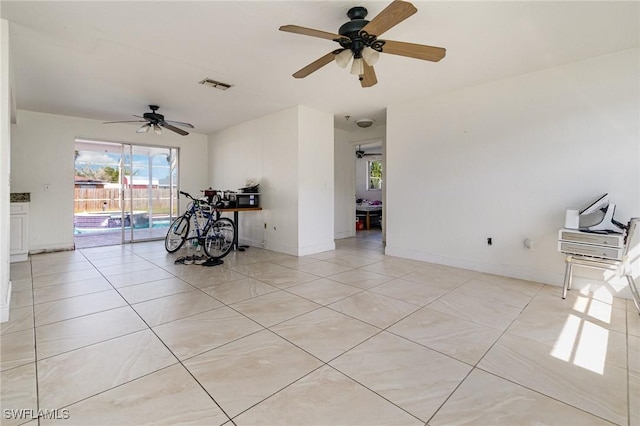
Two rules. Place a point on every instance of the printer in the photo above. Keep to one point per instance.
(597, 217)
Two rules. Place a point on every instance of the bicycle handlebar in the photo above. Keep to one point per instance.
(194, 199)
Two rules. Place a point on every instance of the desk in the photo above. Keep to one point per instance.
(601, 251)
(368, 209)
(235, 211)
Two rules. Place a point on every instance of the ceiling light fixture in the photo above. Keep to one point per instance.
(364, 122)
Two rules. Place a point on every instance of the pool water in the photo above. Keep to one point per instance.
(156, 224)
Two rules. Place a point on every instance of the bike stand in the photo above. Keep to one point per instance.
(213, 262)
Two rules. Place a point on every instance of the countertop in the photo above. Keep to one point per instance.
(20, 197)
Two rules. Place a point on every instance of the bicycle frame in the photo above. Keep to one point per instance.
(193, 214)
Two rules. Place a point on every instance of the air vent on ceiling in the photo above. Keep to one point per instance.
(215, 84)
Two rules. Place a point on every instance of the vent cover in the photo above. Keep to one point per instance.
(214, 84)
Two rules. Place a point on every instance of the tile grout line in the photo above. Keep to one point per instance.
(179, 361)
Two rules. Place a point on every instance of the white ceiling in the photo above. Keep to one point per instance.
(109, 60)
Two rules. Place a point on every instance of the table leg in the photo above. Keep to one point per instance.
(237, 231)
(368, 221)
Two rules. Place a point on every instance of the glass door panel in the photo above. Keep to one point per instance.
(126, 187)
(97, 215)
(154, 171)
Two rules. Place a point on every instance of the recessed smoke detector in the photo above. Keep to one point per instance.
(214, 84)
(364, 122)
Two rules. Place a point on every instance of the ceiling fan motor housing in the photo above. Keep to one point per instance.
(153, 117)
(358, 39)
(353, 27)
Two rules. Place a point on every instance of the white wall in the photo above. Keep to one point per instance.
(345, 185)
(5, 166)
(278, 150)
(264, 149)
(315, 181)
(43, 153)
(505, 159)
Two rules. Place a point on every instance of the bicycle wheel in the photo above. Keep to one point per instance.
(177, 234)
(218, 240)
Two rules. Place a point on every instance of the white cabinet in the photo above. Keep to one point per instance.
(19, 232)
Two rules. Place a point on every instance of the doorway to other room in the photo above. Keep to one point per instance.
(369, 188)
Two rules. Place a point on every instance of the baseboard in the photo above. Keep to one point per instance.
(518, 272)
(6, 306)
(22, 257)
(281, 249)
(319, 248)
(345, 234)
(251, 243)
(51, 248)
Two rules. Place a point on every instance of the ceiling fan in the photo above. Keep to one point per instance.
(361, 154)
(156, 121)
(358, 39)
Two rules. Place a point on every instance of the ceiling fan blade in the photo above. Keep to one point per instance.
(391, 16)
(309, 32)
(418, 51)
(315, 65)
(173, 128)
(369, 77)
(134, 121)
(179, 123)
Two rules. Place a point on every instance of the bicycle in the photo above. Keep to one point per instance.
(216, 236)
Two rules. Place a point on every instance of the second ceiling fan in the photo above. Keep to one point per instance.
(361, 154)
(154, 120)
(358, 39)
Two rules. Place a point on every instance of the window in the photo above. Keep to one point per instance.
(374, 175)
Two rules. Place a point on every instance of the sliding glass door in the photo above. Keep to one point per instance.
(135, 188)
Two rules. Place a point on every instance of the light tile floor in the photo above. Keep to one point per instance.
(121, 335)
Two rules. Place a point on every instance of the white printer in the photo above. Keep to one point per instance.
(597, 217)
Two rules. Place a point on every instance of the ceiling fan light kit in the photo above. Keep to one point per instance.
(343, 58)
(358, 39)
(370, 56)
(357, 68)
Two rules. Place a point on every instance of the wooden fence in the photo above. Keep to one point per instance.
(94, 199)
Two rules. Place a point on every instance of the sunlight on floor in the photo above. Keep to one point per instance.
(582, 341)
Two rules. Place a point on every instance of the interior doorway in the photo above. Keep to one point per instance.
(369, 185)
(123, 192)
